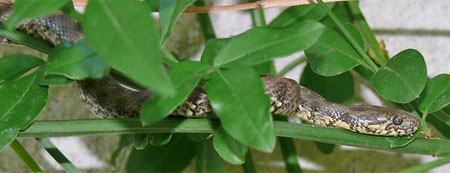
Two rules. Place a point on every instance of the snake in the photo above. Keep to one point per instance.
(108, 98)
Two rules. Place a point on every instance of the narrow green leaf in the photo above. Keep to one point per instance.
(186, 76)
(228, 148)
(26, 9)
(426, 166)
(436, 94)
(69, 9)
(207, 158)
(248, 166)
(261, 44)
(78, 63)
(206, 126)
(173, 157)
(341, 10)
(169, 11)
(403, 78)
(25, 156)
(237, 97)
(141, 141)
(299, 13)
(111, 33)
(338, 89)
(14, 66)
(125, 140)
(57, 155)
(26, 40)
(290, 156)
(160, 139)
(332, 54)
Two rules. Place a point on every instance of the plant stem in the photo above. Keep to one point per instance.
(426, 166)
(206, 125)
(57, 155)
(23, 154)
(367, 32)
(248, 166)
(258, 18)
(371, 65)
(205, 22)
(292, 65)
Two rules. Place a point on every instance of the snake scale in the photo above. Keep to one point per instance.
(108, 99)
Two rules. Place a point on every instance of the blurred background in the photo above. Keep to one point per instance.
(417, 24)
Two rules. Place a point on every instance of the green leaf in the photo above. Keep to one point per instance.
(436, 94)
(160, 139)
(337, 89)
(186, 76)
(59, 50)
(237, 97)
(299, 13)
(213, 47)
(207, 158)
(14, 66)
(228, 148)
(402, 141)
(169, 11)
(47, 80)
(332, 54)
(22, 101)
(265, 68)
(403, 78)
(7, 135)
(173, 157)
(261, 44)
(78, 63)
(140, 141)
(26, 9)
(111, 33)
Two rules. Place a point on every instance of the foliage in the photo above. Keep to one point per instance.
(228, 71)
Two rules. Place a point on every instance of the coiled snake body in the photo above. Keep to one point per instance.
(107, 98)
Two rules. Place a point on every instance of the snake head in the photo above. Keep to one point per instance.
(402, 123)
(376, 120)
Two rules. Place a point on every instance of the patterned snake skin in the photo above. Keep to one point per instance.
(109, 99)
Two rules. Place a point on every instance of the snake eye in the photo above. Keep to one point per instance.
(397, 120)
